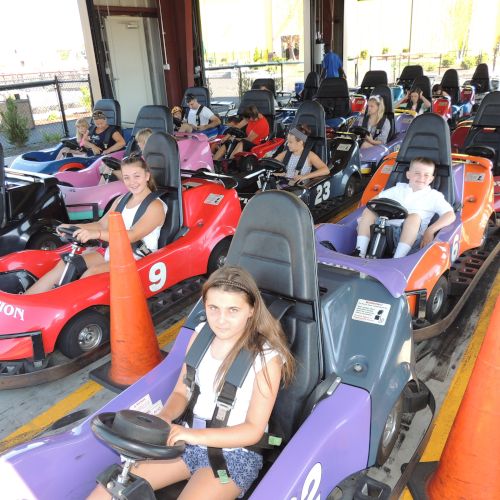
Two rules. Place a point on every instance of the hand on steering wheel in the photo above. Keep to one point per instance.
(236, 132)
(362, 132)
(272, 164)
(70, 144)
(76, 234)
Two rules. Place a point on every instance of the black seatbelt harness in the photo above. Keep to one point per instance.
(138, 247)
(234, 379)
(303, 157)
(198, 113)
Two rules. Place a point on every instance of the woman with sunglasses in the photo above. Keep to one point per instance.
(136, 176)
(101, 139)
(376, 122)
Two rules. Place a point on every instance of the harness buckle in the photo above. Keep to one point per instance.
(223, 409)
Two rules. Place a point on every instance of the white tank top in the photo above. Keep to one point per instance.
(205, 376)
(150, 240)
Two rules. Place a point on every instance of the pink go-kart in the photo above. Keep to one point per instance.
(88, 193)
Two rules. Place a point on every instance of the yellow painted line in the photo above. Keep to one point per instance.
(66, 405)
(451, 403)
(344, 213)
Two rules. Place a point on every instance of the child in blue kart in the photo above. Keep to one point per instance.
(239, 319)
(421, 202)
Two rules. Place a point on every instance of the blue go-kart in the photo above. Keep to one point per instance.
(355, 378)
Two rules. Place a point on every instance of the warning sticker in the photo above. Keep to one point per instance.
(371, 312)
(213, 199)
(472, 177)
(191, 184)
(146, 405)
(387, 169)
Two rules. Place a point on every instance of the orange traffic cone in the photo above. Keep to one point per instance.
(134, 347)
(469, 467)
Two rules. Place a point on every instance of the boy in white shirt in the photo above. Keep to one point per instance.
(421, 202)
(200, 118)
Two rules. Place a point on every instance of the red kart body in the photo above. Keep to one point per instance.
(210, 215)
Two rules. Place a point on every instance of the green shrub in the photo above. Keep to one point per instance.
(430, 67)
(53, 117)
(468, 62)
(385, 50)
(51, 137)
(14, 126)
(447, 61)
(85, 100)
(363, 54)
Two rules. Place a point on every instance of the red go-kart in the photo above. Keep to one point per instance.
(201, 219)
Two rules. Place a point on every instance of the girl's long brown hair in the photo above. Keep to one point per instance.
(261, 327)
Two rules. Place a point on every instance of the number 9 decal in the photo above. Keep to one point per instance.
(454, 248)
(311, 484)
(157, 276)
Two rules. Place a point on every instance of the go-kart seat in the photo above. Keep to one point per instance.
(311, 86)
(333, 95)
(279, 252)
(487, 117)
(481, 79)
(111, 108)
(371, 80)
(450, 84)
(202, 95)
(162, 156)
(428, 136)
(269, 83)
(424, 84)
(385, 92)
(157, 118)
(264, 101)
(409, 74)
(312, 114)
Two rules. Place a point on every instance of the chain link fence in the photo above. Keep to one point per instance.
(36, 114)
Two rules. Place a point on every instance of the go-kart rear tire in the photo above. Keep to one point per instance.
(390, 432)
(218, 256)
(352, 186)
(44, 241)
(437, 300)
(83, 333)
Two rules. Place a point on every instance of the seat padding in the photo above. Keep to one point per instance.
(111, 108)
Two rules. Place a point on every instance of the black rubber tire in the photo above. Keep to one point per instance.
(83, 333)
(218, 255)
(436, 303)
(488, 231)
(352, 186)
(390, 432)
(44, 241)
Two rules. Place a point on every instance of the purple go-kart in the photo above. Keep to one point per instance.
(87, 198)
(341, 414)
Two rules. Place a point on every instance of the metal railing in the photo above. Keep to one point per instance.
(50, 108)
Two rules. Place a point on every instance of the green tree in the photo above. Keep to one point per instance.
(14, 126)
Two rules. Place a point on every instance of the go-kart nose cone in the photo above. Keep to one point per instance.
(141, 427)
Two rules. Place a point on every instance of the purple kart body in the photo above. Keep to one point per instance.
(86, 199)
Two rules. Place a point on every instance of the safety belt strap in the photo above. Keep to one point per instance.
(303, 157)
(198, 112)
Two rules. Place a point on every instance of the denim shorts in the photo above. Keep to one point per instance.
(243, 465)
(396, 235)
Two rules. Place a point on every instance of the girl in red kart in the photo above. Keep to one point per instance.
(138, 180)
(239, 319)
(257, 129)
(313, 165)
(414, 100)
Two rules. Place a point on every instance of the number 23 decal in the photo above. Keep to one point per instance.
(157, 276)
(322, 193)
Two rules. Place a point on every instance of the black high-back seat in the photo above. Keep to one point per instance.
(428, 136)
(269, 83)
(162, 156)
(481, 79)
(371, 80)
(409, 74)
(333, 95)
(311, 86)
(157, 118)
(202, 95)
(264, 101)
(385, 92)
(487, 117)
(450, 84)
(279, 252)
(111, 108)
(312, 114)
(424, 84)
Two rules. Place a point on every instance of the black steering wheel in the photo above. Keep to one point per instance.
(111, 162)
(66, 235)
(272, 164)
(136, 435)
(70, 143)
(236, 132)
(385, 207)
(362, 132)
(484, 151)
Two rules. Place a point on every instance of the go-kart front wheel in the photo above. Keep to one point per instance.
(352, 186)
(218, 256)
(83, 333)
(436, 302)
(44, 241)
